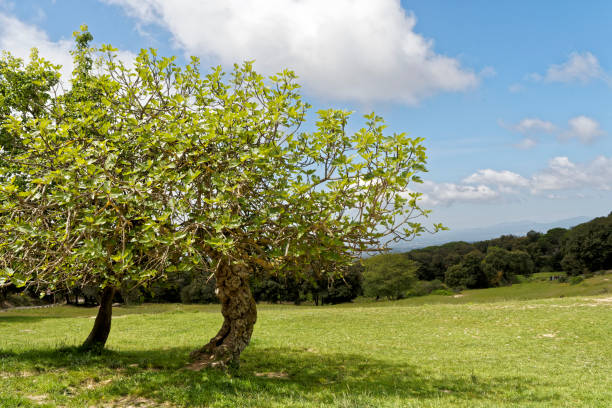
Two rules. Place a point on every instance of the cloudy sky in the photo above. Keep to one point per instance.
(513, 98)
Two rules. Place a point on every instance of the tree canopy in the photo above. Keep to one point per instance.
(584, 248)
(137, 172)
(389, 275)
(588, 247)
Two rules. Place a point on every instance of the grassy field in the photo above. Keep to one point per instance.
(488, 348)
(599, 285)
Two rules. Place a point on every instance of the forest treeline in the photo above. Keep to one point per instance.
(582, 249)
(585, 248)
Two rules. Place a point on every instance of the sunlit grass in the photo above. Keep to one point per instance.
(599, 285)
(478, 353)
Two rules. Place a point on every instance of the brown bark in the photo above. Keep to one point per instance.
(239, 316)
(102, 325)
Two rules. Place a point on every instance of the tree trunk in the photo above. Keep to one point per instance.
(99, 334)
(239, 315)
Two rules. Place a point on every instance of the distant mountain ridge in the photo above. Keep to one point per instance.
(517, 228)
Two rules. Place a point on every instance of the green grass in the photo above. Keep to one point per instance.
(599, 285)
(483, 351)
(546, 275)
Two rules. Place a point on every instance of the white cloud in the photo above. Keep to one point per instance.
(561, 178)
(445, 194)
(583, 128)
(499, 178)
(562, 174)
(530, 128)
(578, 68)
(534, 125)
(343, 49)
(533, 77)
(19, 38)
(526, 143)
(516, 88)
(487, 72)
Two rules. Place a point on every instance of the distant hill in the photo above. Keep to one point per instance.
(484, 233)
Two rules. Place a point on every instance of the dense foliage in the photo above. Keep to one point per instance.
(196, 287)
(588, 247)
(137, 173)
(389, 275)
(582, 249)
(318, 288)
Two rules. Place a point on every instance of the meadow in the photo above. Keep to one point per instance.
(536, 344)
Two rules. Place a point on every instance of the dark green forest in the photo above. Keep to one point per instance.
(585, 248)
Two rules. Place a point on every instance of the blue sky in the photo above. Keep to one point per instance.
(513, 98)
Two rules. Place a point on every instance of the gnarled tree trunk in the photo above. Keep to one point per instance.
(102, 325)
(239, 315)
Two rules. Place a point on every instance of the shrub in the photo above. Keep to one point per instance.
(500, 265)
(521, 279)
(199, 291)
(588, 247)
(22, 299)
(442, 292)
(388, 275)
(468, 273)
(574, 280)
(423, 288)
(131, 296)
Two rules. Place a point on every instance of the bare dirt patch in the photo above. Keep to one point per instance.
(38, 399)
(135, 402)
(197, 365)
(273, 374)
(24, 373)
(92, 384)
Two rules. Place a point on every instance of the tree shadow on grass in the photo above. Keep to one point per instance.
(21, 319)
(270, 376)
